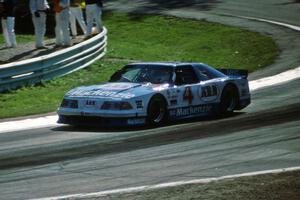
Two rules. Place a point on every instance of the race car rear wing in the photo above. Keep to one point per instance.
(235, 72)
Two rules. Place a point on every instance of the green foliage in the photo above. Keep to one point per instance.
(148, 38)
(157, 38)
(20, 38)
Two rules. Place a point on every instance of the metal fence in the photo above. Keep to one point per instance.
(59, 63)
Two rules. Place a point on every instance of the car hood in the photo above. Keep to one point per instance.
(122, 90)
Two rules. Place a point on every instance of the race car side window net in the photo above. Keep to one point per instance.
(185, 75)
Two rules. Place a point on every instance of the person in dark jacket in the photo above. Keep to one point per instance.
(93, 14)
(7, 14)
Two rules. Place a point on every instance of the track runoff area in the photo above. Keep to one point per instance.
(165, 185)
(48, 121)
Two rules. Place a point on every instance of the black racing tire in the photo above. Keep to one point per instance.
(157, 110)
(229, 99)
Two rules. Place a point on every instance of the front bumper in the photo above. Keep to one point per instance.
(101, 121)
(92, 117)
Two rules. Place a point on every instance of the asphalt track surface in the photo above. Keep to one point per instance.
(62, 160)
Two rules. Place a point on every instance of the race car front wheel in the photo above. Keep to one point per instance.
(157, 110)
(229, 99)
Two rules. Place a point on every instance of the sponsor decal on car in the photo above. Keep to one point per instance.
(136, 121)
(208, 93)
(190, 110)
(90, 103)
(116, 86)
(188, 95)
(139, 104)
(172, 94)
(101, 93)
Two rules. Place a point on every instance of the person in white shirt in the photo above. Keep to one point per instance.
(93, 14)
(7, 15)
(62, 17)
(38, 10)
(76, 15)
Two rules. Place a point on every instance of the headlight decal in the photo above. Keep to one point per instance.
(68, 103)
(139, 104)
(116, 105)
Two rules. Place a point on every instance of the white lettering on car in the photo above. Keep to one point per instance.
(192, 110)
(101, 93)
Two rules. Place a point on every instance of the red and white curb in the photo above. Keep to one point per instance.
(166, 185)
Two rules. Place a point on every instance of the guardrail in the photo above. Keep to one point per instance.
(59, 63)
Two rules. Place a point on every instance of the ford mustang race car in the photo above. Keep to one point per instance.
(153, 93)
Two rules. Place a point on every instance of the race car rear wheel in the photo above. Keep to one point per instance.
(157, 110)
(229, 99)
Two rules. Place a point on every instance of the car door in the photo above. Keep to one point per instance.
(186, 85)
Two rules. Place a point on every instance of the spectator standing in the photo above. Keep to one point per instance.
(76, 15)
(7, 14)
(62, 16)
(93, 14)
(38, 10)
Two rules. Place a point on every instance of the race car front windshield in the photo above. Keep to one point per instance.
(144, 74)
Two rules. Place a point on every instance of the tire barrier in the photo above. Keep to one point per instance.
(35, 70)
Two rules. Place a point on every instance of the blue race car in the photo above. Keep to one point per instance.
(152, 93)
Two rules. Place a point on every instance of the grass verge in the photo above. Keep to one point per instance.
(148, 38)
(280, 186)
(20, 38)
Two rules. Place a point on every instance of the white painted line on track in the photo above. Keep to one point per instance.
(278, 79)
(27, 124)
(166, 185)
(296, 28)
